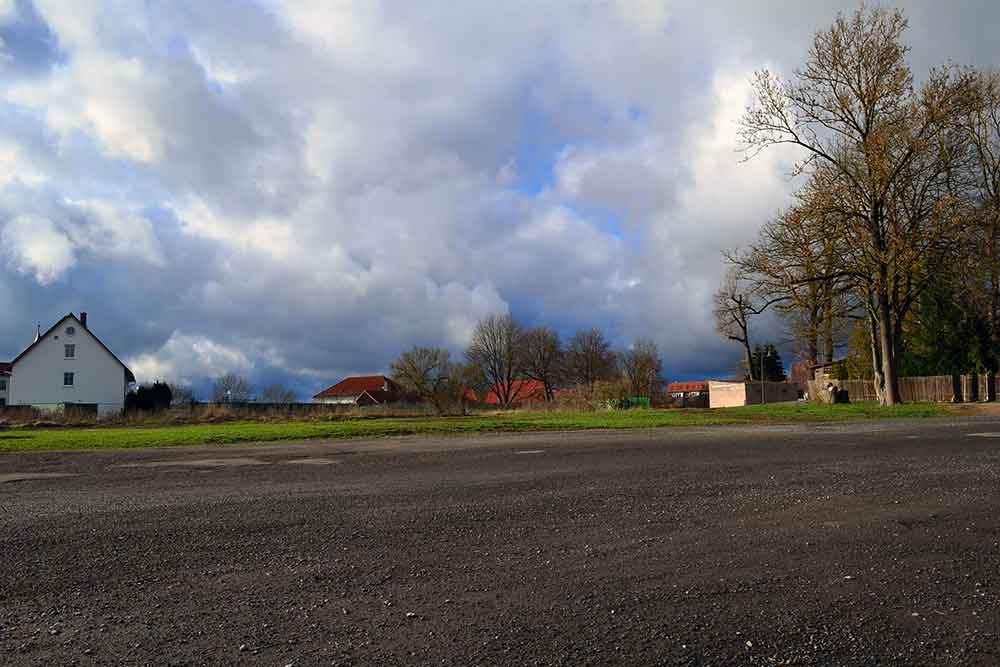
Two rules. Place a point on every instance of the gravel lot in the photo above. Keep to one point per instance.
(853, 544)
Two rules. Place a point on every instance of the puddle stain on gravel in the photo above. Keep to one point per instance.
(197, 463)
(984, 435)
(313, 462)
(30, 476)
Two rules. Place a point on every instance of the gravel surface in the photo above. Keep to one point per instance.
(856, 544)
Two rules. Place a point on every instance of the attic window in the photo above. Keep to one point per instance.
(70, 331)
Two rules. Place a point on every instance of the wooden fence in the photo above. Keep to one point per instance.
(930, 389)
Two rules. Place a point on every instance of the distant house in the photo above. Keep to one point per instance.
(688, 394)
(361, 390)
(67, 366)
(522, 391)
(828, 371)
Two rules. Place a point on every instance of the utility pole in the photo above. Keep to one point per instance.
(764, 353)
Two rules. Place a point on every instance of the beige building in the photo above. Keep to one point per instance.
(735, 394)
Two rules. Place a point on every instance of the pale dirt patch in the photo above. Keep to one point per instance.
(313, 462)
(28, 476)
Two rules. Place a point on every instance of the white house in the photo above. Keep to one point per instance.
(67, 366)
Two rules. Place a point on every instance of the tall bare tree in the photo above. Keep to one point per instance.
(735, 304)
(642, 368)
(589, 359)
(430, 374)
(879, 146)
(543, 358)
(795, 262)
(232, 388)
(278, 394)
(497, 352)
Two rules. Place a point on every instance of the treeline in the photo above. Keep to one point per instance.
(503, 353)
(228, 388)
(891, 246)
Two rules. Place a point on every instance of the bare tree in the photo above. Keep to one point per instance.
(735, 304)
(543, 358)
(278, 394)
(642, 368)
(430, 374)
(882, 151)
(181, 394)
(232, 388)
(794, 262)
(589, 359)
(496, 350)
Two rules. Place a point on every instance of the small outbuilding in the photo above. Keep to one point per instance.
(735, 394)
(688, 394)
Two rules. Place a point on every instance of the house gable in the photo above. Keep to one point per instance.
(52, 331)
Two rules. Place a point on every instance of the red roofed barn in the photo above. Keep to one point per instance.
(522, 391)
(361, 390)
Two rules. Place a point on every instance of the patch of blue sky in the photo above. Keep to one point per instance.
(28, 42)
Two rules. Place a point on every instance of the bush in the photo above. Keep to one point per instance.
(149, 398)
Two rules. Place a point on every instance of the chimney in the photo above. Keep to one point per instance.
(83, 319)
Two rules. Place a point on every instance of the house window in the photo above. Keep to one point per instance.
(68, 379)
(70, 351)
(3, 385)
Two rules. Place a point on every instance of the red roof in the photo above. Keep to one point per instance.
(355, 386)
(684, 387)
(522, 391)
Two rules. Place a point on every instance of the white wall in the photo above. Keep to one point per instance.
(338, 400)
(727, 394)
(98, 377)
(735, 394)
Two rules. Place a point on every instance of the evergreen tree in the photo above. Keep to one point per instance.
(774, 368)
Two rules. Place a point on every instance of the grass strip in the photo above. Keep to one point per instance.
(511, 422)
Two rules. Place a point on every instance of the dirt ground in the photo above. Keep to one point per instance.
(835, 544)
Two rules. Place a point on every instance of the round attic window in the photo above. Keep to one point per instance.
(70, 331)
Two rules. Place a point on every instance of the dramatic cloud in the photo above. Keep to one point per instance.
(299, 190)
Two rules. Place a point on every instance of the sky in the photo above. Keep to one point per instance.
(299, 190)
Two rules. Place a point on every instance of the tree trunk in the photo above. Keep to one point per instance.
(748, 359)
(873, 339)
(890, 395)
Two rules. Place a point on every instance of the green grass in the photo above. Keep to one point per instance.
(236, 432)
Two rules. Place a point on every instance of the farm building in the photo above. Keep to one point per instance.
(361, 390)
(688, 394)
(522, 391)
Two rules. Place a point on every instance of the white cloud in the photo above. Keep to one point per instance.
(8, 10)
(333, 181)
(109, 230)
(185, 357)
(37, 247)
